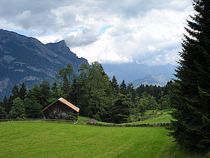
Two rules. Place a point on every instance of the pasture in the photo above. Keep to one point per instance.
(48, 139)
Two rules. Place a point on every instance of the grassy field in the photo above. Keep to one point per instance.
(150, 117)
(157, 116)
(43, 139)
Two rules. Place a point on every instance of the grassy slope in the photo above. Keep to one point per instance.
(160, 119)
(63, 140)
(161, 116)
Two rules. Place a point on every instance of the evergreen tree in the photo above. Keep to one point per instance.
(131, 92)
(123, 88)
(15, 91)
(192, 88)
(80, 95)
(80, 91)
(44, 94)
(115, 86)
(121, 109)
(55, 92)
(66, 75)
(5, 105)
(2, 111)
(40, 93)
(22, 92)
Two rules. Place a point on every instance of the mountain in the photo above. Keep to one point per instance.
(141, 73)
(26, 59)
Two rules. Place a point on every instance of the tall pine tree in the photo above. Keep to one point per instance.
(115, 86)
(192, 87)
(123, 88)
(22, 91)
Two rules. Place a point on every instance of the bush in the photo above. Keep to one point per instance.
(18, 109)
(33, 108)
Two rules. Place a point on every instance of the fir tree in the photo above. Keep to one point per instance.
(44, 94)
(66, 75)
(55, 92)
(5, 105)
(121, 109)
(123, 87)
(15, 91)
(22, 91)
(115, 86)
(2, 111)
(192, 87)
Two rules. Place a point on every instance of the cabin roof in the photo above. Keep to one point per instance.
(65, 102)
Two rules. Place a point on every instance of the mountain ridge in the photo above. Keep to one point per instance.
(26, 59)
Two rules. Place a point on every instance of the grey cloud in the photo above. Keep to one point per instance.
(33, 14)
(41, 16)
(132, 8)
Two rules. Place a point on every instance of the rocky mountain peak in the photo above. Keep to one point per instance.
(26, 59)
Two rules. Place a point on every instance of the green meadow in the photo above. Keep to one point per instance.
(48, 139)
(155, 116)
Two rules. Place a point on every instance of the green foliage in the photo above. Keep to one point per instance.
(66, 75)
(41, 94)
(192, 87)
(153, 90)
(23, 91)
(18, 109)
(147, 102)
(164, 102)
(56, 92)
(2, 112)
(114, 86)
(208, 155)
(44, 93)
(99, 91)
(72, 116)
(15, 91)
(123, 88)
(121, 109)
(91, 91)
(33, 108)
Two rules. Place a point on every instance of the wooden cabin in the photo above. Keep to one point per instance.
(61, 109)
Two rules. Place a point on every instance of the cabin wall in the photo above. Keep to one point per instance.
(60, 111)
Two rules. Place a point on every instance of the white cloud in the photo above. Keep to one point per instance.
(154, 38)
(106, 31)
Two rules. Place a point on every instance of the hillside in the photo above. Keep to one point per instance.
(59, 139)
(25, 59)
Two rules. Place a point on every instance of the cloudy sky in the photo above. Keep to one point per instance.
(119, 31)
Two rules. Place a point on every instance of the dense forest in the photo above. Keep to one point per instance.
(92, 91)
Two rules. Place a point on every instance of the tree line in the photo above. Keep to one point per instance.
(92, 91)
